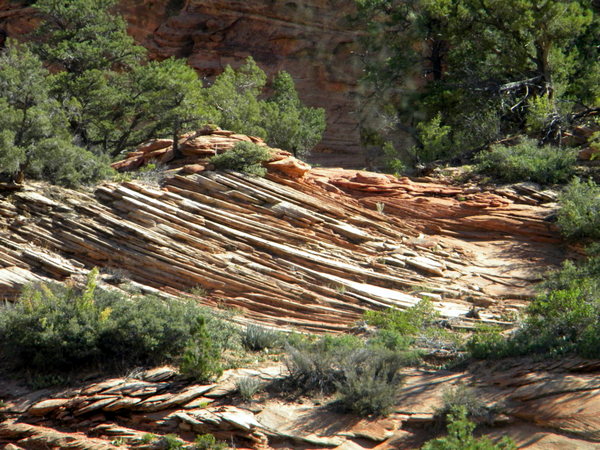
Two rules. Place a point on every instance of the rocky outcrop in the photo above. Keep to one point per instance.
(306, 249)
(302, 249)
(540, 405)
(312, 40)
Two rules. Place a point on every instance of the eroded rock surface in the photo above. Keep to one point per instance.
(542, 405)
(306, 249)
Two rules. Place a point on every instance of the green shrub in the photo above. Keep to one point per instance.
(53, 328)
(318, 366)
(171, 442)
(406, 322)
(208, 442)
(248, 386)
(257, 338)
(435, 139)
(488, 342)
(391, 159)
(366, 377)
(563, 319)
(460, 436)
(370, 383)
(245, 157)
(579, 214)
(391, 339)
(201, 358)
(526, 161)
(463, 396)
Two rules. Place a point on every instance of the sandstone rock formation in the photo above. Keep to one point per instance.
(312, 40)
(547, 405)
(305, 249)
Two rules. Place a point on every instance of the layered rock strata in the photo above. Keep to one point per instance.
(543, 405)
(308, 249)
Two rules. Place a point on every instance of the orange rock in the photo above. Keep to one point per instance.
(193, 168)
(588, 153)
(290, 166)
(371, 178)
(155, 144)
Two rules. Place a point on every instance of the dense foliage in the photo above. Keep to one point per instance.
(281, 119)
(56, 328)
(102, 96)
(527, 161)
(457, 75)
(244, 157)
(579, 214)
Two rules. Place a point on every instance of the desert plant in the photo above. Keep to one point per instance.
(208, 442)
(248, 386)
(318, 366)
(171, 442)
(488, 342)
(527, 161)
(245, 157)
(53, 328)
(371, 380)
(201, 358)
(366, 377)
(565, 318)
(463, 396)
(460, 436)
(406, 322)
(257, 338)
(435, 140)
(579, 214)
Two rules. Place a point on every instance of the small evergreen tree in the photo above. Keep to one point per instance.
(34, 137)
(235, 95)
(281, 119)
(114, 98)
(289, 124)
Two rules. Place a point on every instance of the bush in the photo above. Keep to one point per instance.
(460, 436)
(245, 157)
(365, 377)
(318, 366)
(564, 319)
(462, 396)
(526, 161)
(248, 386)
(257, 338)
(201, 358)
(208, 442)
(406, 322)
(435, 139)
(53, 328)
(579, 215)
(487, 342)
(370, 382)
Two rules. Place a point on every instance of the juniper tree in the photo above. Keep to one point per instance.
(34, 138)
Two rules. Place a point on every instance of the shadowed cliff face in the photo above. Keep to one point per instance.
(310, 39)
